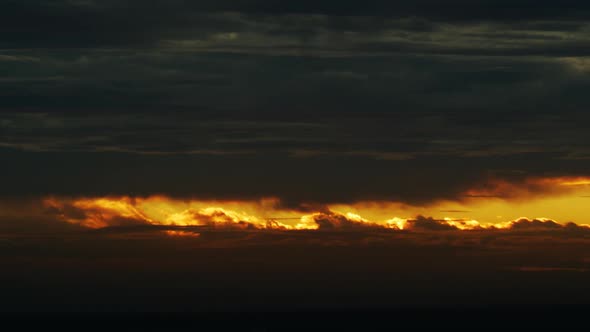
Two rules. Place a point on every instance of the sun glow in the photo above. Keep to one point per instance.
(397, 223)
(582, 182)
(562, 198)
(266, 215)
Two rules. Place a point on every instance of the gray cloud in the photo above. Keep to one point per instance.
(301, 28)
(318, 92)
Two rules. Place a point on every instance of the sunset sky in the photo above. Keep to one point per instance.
(240, 124)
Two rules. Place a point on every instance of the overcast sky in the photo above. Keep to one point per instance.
(303, 100)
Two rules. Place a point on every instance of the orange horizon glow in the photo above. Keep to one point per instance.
(107, 212)
(561, 198)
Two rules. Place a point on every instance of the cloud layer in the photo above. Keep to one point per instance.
(409, 101)
(173, 215)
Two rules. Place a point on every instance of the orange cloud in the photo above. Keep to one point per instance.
(532, 186)
(98, 212)
(484, 206)
(161, 211)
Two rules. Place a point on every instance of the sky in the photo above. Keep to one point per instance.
(287, 123)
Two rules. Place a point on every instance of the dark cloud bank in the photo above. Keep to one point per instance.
(400, 101)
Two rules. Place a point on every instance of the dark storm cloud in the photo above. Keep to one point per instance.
(463, 107)
(450, 10)
(312, 102)
(456, 27)
(299, 182)
(230, 177)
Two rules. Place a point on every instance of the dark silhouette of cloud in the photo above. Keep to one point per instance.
(429, 224)
(526, 224)
(330, 220)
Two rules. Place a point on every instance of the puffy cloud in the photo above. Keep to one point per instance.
(429, 224)
(539, 224)
(213, 217)
(330, 220)
(125, 211)
(168, 212)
